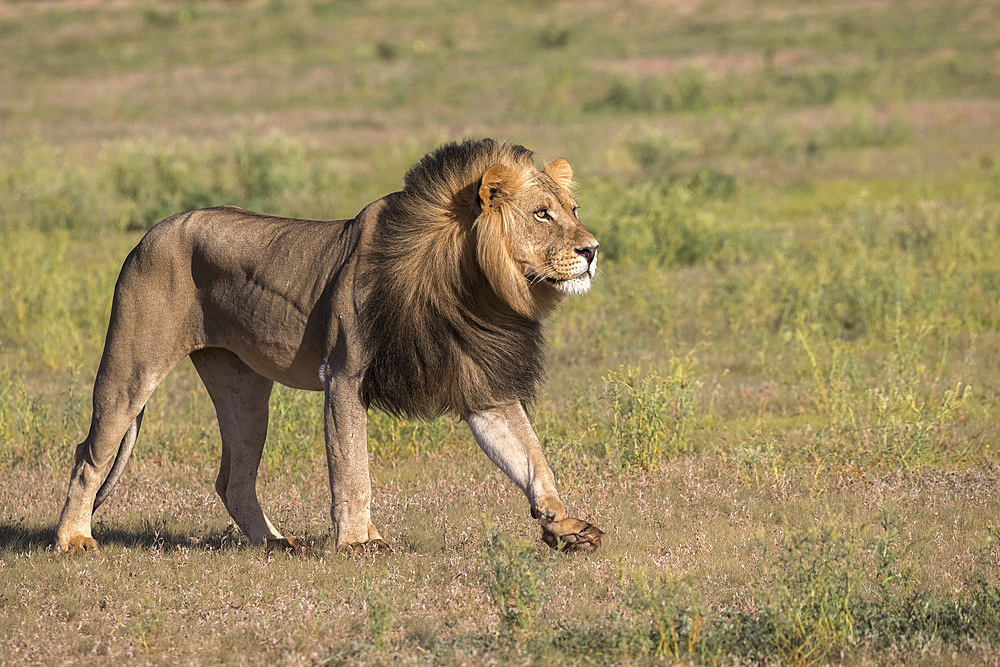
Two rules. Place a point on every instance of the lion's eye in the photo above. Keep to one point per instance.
(542, 214)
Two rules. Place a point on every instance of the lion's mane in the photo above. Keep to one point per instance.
(449, 322)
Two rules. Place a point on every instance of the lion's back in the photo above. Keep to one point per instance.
(251, 283)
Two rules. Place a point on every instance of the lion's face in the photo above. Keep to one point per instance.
(547, 247)
(549, 244)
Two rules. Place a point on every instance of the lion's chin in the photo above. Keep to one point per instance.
(578, 285)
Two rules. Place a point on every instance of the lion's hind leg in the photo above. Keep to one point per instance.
(241, 396)
(120, 394)
(74, 535)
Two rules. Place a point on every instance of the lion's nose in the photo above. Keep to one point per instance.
(588, 253)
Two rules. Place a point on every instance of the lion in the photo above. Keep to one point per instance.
(429, 301)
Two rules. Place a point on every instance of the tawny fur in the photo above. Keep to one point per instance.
(429, 300)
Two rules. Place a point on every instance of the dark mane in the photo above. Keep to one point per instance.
(437, 335)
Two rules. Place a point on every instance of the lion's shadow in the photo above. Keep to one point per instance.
(20, 539)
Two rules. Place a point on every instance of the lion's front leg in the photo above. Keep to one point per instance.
(346, 422)
(507, 438)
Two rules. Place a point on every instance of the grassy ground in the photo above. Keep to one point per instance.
(780, 400)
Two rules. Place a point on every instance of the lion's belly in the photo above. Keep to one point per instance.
(294, 368)
(270, 334)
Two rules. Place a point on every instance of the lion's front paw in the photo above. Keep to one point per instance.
(548, 509)
(571, 534)
(294, 545)
(78, 545)
(376, 545)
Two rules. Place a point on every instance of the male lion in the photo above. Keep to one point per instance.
(428, 301)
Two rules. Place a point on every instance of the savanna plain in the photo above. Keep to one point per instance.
(779, 400)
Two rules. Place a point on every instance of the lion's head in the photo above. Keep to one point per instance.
(466, 259)
(530, 241)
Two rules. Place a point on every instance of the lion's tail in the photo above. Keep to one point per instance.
(124, 452)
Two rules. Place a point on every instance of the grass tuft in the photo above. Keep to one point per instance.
(652, 415)
(515, 579)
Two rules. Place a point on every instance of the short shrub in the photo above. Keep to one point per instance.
(157, 179)
(380, 617)
(652, 416)
(687, 90)
(667, 221)
(514, 578)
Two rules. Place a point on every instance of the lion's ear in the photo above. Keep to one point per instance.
(560, 172)
(499, 182)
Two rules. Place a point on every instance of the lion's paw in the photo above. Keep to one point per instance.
(373, 546)
(569, 534)
(292, 545)
(78, 545)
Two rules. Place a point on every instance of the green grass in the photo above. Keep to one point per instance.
(779, 399)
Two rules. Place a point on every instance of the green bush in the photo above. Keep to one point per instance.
(652, 416)
(828, 602)
(380, 617)
(670, 220)
(686, 90)
(38, 190)
(515, 580)
(813, 605)
(135, 184)
(157, 179)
